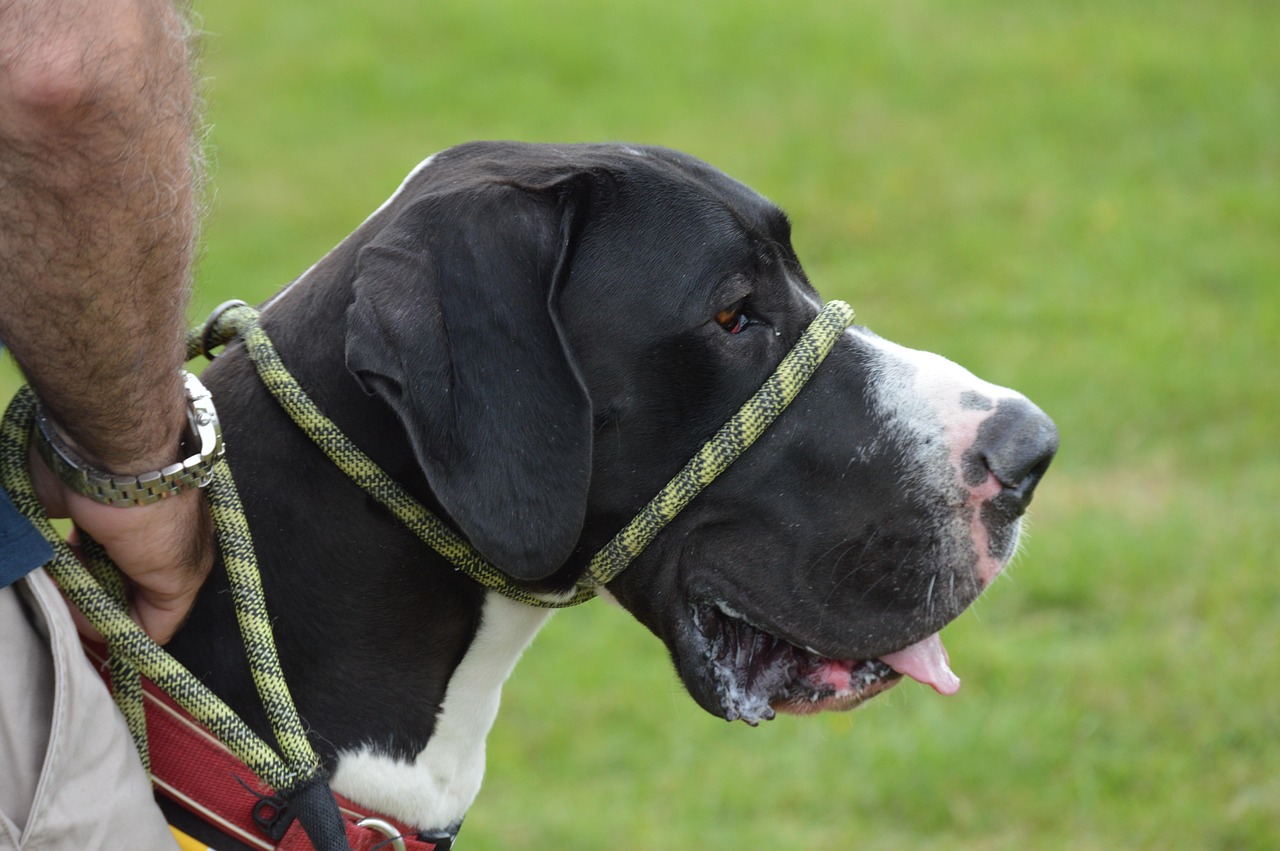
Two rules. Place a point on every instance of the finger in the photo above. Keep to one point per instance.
(162, 601)
(165, 550)
(162, 617)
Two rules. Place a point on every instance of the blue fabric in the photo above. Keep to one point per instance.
(22, 548)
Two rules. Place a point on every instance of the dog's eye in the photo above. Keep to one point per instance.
(733, 319)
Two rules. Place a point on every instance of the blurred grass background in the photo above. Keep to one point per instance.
(1080, 200)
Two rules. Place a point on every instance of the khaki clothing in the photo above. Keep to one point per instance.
(70, 779)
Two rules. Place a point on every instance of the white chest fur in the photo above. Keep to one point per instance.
(436, 789)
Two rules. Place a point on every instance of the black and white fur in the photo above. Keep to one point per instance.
(533, 339)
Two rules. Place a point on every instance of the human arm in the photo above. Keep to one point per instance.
(97, 228)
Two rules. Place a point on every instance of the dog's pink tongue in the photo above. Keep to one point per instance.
(927, 662)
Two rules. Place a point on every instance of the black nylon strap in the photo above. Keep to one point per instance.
(318, 813)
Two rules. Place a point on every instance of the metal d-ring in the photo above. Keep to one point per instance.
(212, 322)
(387, 829)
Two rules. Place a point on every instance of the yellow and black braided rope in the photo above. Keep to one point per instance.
(133, 651)
(242, 322)
(733, 438)
(716, 455)
(236, 543)
(126, 683)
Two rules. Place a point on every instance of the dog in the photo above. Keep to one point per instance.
(533, 339)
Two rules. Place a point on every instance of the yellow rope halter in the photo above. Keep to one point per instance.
(722, 449)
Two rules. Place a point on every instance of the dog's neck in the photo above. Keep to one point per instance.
(396, 661)
(439, 784)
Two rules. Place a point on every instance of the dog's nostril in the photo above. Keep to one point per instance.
(1015, 444)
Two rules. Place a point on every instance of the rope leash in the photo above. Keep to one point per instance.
(98, 592)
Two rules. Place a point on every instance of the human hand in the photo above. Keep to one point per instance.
(165, 549)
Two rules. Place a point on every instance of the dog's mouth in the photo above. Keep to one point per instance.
(756, 674)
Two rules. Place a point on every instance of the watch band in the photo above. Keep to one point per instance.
(195, 471)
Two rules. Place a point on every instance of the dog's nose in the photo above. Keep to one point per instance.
(1015, 444)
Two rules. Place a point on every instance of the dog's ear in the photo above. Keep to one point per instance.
(454, 325)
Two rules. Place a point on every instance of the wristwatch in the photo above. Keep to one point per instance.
(204, 433)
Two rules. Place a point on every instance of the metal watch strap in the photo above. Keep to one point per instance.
(195, 471)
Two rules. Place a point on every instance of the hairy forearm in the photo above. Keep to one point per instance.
(97, 218)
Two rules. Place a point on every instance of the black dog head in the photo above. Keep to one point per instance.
(558, 329)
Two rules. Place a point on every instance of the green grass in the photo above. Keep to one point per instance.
(1081, 200)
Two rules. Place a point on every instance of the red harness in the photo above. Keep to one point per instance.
(194, 770)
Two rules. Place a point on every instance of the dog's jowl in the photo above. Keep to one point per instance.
(533, 340)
